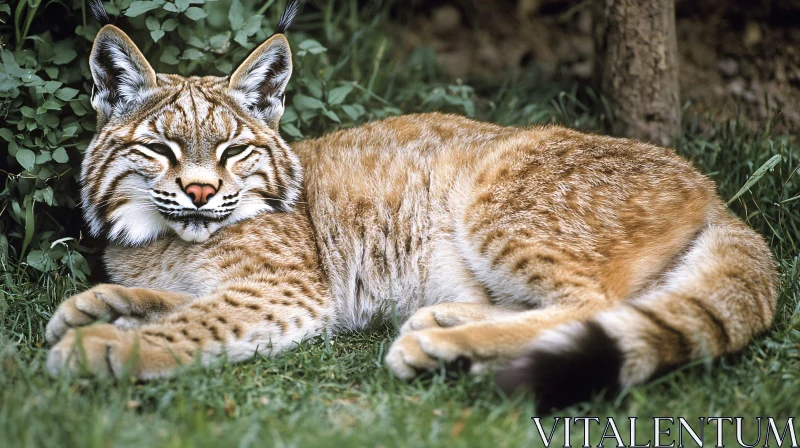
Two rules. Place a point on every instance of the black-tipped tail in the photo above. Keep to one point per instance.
(570, 372)
(99, 12)
(287, 16)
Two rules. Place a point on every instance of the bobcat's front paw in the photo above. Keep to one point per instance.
(452, 314)
(99, 350)
(423, 350)
(103, 302)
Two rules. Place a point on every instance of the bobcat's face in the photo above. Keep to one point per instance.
(188, 154)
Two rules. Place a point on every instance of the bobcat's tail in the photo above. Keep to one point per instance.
(720, 295)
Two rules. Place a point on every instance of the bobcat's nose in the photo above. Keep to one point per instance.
(200, 194)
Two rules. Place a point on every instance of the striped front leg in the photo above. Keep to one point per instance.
(233, 324)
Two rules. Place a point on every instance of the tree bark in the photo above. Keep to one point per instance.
(639, 68)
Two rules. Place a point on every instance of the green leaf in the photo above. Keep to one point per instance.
(768, 165)
(41, 261)
(195, 13)
(291, 130)
(289, 115)
(79, 266)
(6, 134)
(156, 35)
(51, 86)
(50, 105)
(44, 195)
(66, 93)
(241, 38)
(169, 25)
(170, 55)
(192, 54)
(331, 115)
(310, 46)
(218, 41)
(182, 5)
(152, 23)
(352, 111)
(252, 25)
(51, 72)
(63, 55)
(139, 8)
(236, 15)
(337, 95)
(26, 158)
(302, 102)
(60, 155)
(78, 108)
(43, 157)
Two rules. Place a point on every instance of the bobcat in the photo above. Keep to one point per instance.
(576, 261)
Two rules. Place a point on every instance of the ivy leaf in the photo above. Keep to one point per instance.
(195, 13)
(26, 158)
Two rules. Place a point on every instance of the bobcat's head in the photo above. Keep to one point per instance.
(188, 154)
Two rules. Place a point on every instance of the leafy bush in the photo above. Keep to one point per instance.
(48, 120)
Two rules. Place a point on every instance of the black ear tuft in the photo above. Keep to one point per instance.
(99, 12)
(565, 375)
(287, 16)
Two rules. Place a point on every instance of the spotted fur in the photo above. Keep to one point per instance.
(546, 250)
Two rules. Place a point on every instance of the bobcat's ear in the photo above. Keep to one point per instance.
(122, 76)
(260, 81)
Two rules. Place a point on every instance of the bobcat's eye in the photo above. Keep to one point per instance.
(159, 148)
(233, 151)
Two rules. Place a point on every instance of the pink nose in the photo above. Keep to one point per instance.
(200, 194)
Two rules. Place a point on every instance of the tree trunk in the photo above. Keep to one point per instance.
(639, 68)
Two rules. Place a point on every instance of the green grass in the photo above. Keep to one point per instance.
(337, 392)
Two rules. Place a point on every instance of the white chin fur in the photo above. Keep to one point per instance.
(194, 233)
